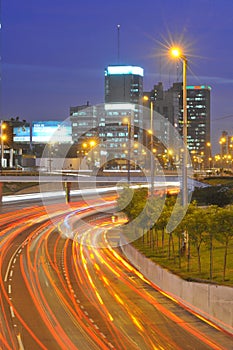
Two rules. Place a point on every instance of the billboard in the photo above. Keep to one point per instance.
(21, 134)
(51, 131)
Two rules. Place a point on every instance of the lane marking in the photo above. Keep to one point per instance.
(10, 263)
(21, 347)
(12, 312)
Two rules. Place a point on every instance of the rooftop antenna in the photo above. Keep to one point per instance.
(177, 72)
(160, 68)
(118, 43)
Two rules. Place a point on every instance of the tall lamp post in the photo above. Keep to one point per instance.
(177, 53)
(88, 147)
(152, 146)
(3, 137)
(209, 154)
(151, 132)
(127, 121)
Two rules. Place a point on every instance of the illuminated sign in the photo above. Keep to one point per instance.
(119, 106)
(21, 134)
(198, 87)
(51, 131)
(115, 70)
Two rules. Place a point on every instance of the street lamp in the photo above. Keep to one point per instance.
(3, 138)
(151, 132)
(127, 121)
(176, 52)
(222, 143)
(88, 148)
(209, 153)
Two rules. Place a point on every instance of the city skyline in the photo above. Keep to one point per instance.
(54, 57)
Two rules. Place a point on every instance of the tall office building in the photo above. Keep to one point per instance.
(123, 100)
(123, 84)
(85, 120)
(166, 106)
(169, 104)
(198, 104)
(106, 123)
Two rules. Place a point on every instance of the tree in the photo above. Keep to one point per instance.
(132, 202)
(178, 221)
(224, 224)
(210, 214)
(197, 225)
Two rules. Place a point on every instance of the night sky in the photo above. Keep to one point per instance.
(54, 52)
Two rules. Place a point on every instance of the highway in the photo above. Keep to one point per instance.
(66, 285)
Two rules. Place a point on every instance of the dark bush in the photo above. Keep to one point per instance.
(213, 195)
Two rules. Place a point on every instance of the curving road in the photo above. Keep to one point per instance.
(66, 285)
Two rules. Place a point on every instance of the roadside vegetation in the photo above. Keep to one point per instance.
(219, 181)
(220, 195)
(200, 247)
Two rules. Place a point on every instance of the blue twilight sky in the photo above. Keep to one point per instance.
(54, 52)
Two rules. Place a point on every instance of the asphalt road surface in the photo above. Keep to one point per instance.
(65, 284)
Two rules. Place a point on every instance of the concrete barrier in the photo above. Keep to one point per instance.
(213, 302)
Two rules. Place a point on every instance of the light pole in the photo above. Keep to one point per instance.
(92, 145)
(209, 154)
(222, 143)
(176, 52)
(151, 132)
(152, 146)
(3, 126)
(127, 121)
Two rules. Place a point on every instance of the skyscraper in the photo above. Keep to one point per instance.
(169, 104)
(198, 104)
(123, 101)
(123, 84)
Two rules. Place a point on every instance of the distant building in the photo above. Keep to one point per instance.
(86, 122)
(198, 104)
(123, 101)
(124, 84)
(109, 124)
(169, 104)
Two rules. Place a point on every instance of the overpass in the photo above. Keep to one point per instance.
(86, 183)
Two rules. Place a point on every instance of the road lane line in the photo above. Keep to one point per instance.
(12, 312)
(10, 263)
(21, 347)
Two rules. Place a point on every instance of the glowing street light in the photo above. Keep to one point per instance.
(88, 148)
(92, 143)
(209, 153)
(176, 52)
(3, 138)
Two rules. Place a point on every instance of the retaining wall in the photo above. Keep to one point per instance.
(214, 302)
